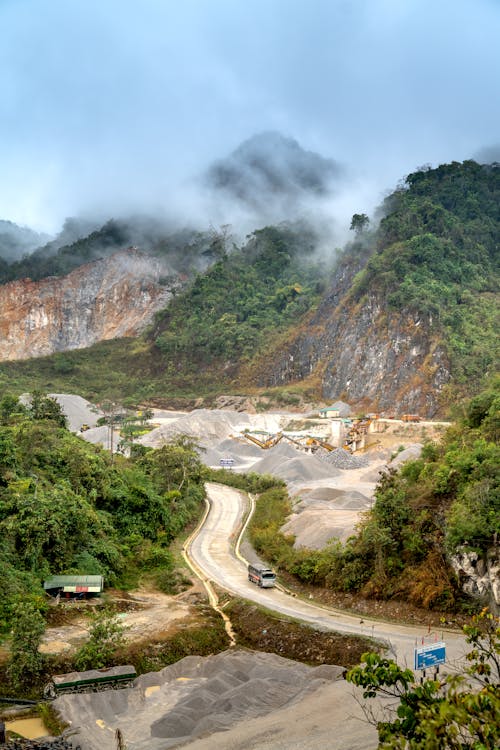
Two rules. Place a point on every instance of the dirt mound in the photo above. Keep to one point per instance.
(204, 425)
(193, 697)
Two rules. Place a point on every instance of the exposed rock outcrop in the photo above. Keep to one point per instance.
(108, 298)
(366, 353)
(479, 576)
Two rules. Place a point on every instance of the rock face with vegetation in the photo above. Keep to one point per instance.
(414, 304)
(108, 298)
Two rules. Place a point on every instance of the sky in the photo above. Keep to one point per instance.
(116, 106)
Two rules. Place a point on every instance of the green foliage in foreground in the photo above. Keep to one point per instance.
(457, 712)
(68, 507)
(448, 498)
(106, 635)
(26, 662)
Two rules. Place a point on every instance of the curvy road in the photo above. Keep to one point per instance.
(212, 551)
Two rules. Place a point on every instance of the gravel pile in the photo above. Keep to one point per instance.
(411, 453)
(342, 459)
(334, 499)
(205, 426)
(77, 409)
(100, 436)
(193, 697)
(300, 468)
(58, 743)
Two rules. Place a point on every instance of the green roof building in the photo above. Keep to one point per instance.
(74, 585)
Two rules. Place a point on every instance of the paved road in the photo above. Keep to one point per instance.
(213, 552)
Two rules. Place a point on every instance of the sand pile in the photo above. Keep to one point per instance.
(193, 697)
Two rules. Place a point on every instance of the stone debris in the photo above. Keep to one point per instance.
(342, 459)
(194, 697)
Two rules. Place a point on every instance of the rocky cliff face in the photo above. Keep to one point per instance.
(108, 298)
(366, 354)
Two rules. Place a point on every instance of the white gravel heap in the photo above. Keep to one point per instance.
(411, 453)
(342, 459)
(195, 696)
(78, 410)
(301, 467)
(203, 425)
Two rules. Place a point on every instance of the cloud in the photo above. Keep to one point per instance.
(113, 107)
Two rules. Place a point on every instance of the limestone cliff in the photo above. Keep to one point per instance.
(108, 298)
(371, 356)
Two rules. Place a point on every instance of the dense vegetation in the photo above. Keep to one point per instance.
(247, 299)
(447, 498)
(230, 312)
(437, 256)
(69, 507)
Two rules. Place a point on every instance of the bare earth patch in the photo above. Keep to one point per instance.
(145, 614)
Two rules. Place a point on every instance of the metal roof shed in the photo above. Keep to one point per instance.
(74, 584)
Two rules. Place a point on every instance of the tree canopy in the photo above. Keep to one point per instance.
(66, 507)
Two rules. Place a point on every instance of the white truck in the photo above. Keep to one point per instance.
(263, 577)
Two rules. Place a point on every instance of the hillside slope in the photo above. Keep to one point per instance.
(407, 322)
(422, 312)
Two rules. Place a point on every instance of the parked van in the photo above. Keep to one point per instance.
(264, 577)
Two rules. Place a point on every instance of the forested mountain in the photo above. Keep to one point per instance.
(404, 317)
(75, 246)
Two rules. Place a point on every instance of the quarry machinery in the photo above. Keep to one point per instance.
(269, 442)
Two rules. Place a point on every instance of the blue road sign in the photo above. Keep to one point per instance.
(227, 461)
(430, 656)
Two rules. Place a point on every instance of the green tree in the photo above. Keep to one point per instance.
(359, 223)
(457, 712)
(106, 635)
(43, 406)
(26, 662)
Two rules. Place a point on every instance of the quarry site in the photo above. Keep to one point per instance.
(241, 698)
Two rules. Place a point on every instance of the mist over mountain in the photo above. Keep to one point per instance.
(16, 241)
(272, 176)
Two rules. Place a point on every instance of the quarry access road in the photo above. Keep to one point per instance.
(212, 551)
